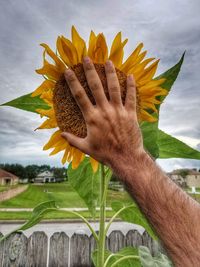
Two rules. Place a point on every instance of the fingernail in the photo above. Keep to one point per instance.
(130, 77)
(109, 63)
(86, 60)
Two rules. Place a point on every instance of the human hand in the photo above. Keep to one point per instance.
(113, 132)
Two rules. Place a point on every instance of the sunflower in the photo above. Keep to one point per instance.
(63, 112)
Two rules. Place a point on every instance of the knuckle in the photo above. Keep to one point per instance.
(94, 85)
(78, 94)
(91, 120)
(131, 98)
(114, 88)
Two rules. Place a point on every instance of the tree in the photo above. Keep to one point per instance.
(59, 172)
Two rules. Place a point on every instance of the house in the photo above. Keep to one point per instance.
(45, 177)
(193, 178)
(7, 178)
(186, 177)
(177, 178)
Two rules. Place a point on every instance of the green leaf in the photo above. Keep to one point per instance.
(149, 129)
(112, 258)
(28, 103)
(148, 261)
(170, 147)
(132, 214)
(37, 215)
(170, 75)
(86, 183)
(149, 133)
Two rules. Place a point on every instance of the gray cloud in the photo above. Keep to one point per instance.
(167, 28)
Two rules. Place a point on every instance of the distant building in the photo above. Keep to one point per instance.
(177, 178)
(193, 178)
(45, 177)
(7, 178)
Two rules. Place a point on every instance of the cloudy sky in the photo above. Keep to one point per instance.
(167, 28)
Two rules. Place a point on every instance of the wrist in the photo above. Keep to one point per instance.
(130, 164)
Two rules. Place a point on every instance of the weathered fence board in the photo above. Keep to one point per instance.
(14, 251)
(133, 239)
(37, 250)
(116, 241)
(79, 251)
(62, 251)
(59, 250)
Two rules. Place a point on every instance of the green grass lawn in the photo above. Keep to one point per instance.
(62, 193)
(25, 215)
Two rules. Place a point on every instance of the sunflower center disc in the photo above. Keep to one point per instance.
(68, 115)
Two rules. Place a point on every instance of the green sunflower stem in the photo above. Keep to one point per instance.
(102, 234)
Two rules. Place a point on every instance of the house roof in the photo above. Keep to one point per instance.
(45, 173)
(5, 174)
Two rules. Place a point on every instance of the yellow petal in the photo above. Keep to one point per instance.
(64, 158)
(150, 84)
(61, 66)
(77, 158)
(117, 51)
(58, 149)
(46, 112)
(70, 50)
(101, 49)
(139, 68)
(48, 124)
(149, 72)
(158, 91)
(62, 53)
(149, 105)
(54, 139)
(131, 59)
(135, 64)
(47, 96)
(92, 44)
(94, 163)
(79, 44)
(45, 86)
(70, 154)
(50, 71)
(145, 116)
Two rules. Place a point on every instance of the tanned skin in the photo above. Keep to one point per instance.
(114, 138)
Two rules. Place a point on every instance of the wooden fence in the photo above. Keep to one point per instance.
(61, 251)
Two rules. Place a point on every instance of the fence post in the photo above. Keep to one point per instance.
(59, 250)
(14, 250)
(133, 239)
(37, 250)
(1, 251)
(79, 251)
(116, 241)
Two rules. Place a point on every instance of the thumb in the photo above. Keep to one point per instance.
(75, 141)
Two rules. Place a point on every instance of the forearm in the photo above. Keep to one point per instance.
(174, 215)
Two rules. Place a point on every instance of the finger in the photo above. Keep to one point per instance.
(113, 83)
(78, 92)
(75, 141)
(130, 101)
(94, 82)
